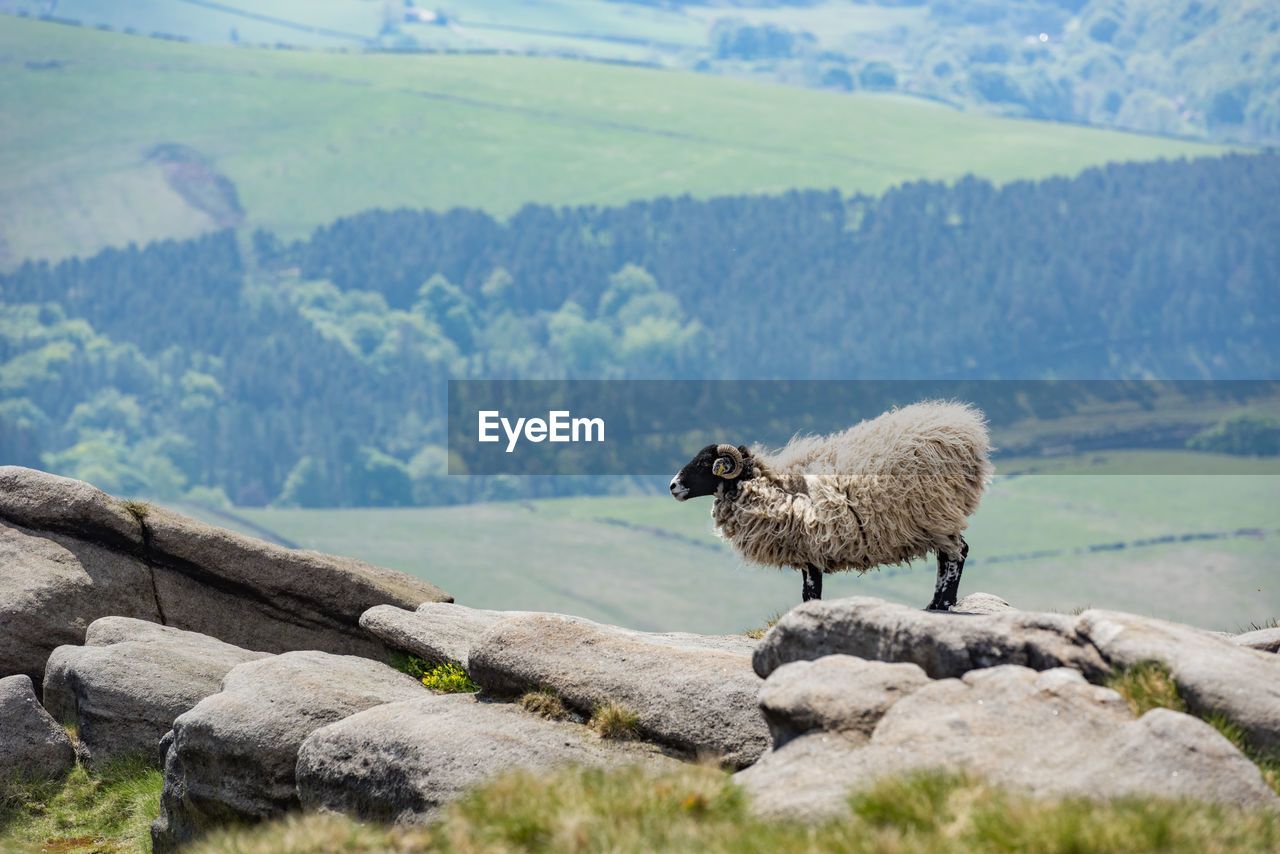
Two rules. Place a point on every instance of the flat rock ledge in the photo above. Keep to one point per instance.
(76, 554)
(693, 693)
(1050, 733)
(440, 632)
(943, 644)
(1263, 640)
(32, 744)
(231, 758)
(131, 679)
(1215, 674)
(402, 761)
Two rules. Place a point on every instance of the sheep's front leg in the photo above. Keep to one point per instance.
(950, 566)
(812, 588)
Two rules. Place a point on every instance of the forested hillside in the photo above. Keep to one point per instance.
(313, 372)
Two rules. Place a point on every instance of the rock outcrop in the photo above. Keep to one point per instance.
(232, 757)
(401, 762)
(1049, 732)
(31, 742)
(1214, 674)
(158, 634)
(73, 554)
(131, 679)
(693, 693)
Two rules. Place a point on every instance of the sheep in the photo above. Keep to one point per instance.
(884, 491)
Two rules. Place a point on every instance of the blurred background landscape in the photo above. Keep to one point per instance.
(243, 247)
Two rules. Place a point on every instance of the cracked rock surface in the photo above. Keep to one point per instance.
(232, 757)
(129, 681)
(73, 554)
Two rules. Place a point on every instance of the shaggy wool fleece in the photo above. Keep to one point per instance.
(884, 491)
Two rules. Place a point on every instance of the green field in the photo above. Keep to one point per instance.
(652, 563)
(309, 136)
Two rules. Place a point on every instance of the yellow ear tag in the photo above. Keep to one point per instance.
(719, 467)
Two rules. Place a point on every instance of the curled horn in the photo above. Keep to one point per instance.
(734, 454)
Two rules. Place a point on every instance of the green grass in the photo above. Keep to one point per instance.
(310, 136)
(700, 809)
(107, 810)
(1146, 686)
(410, 664)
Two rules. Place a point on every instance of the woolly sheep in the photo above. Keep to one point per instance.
(884, 491)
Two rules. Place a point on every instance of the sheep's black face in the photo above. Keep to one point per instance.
(702, 474)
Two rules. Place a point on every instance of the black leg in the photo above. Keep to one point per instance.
(812, 583)
(950, 567)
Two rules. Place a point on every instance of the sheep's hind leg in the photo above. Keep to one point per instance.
(812, 583)
(950, 567)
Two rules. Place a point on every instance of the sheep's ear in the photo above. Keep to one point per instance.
(721, 465)
(746, 454)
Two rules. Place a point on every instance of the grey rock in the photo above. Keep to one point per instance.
(691, 693)
(259, 595)
(233, 755)
(46, 502)
(1213, 674)
(437, 631)
(1050, 733)
(53, 585)
(129, 681)
(1263, 640)
(402, 761)
(72, 554)
(942, 644)
(981, 603)
(839, 693)
(32, 744)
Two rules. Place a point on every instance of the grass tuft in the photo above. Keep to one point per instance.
(1273, 623)
(768, 624)
(450, 679)
(108, 809)
(699, 808)
(138, 509)
(614, 720)
(545, 702)
(1147, 685)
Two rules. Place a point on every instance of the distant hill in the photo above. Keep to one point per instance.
(289, 140)
(1201, 68)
